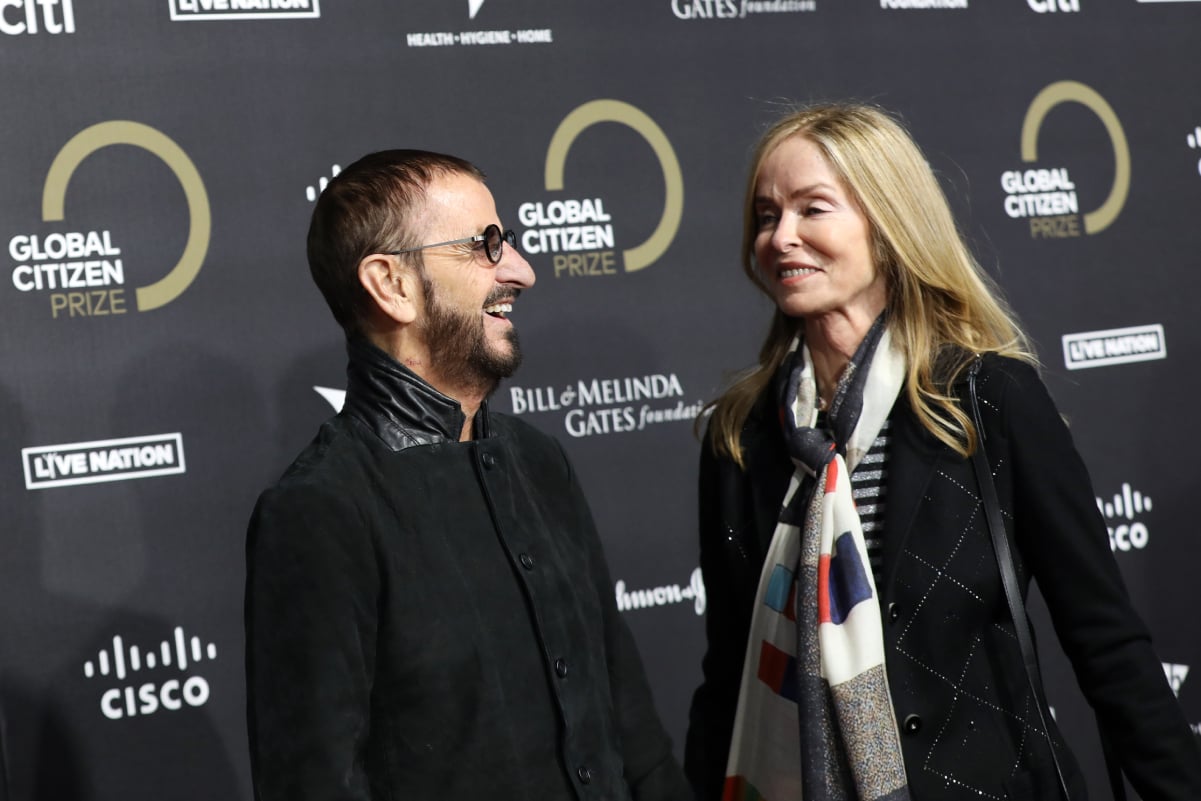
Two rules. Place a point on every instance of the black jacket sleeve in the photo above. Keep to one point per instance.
(310, 639)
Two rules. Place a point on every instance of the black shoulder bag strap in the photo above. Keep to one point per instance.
(1013, 594)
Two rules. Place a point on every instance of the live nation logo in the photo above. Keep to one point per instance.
(188, 10)
(1114, 346)
(75, 463)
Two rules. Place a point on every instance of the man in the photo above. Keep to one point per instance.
(428, 610)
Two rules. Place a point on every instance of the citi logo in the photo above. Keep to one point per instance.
(189, 10)
(131, 699)
(1115, 346)
(1175, 675)
(103, 460)
(21, 16)
(1128, 533)
(1051, 6)
(666, 595)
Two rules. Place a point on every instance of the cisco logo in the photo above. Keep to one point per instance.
(1126, 533)
(132, 699)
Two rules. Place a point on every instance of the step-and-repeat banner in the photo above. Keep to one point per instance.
(164, 355)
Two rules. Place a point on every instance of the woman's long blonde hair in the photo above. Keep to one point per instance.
(942, 307)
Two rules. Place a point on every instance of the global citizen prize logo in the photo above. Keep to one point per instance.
(189, 10)
(1122, 518)
(81, 272)
(598, 406)
(26, 18)
(578, 233)
(103, 460)
(1115, 346)
(1046, 196)
(124, 666)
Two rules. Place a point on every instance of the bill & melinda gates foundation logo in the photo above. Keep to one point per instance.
(580, 234)
(600, 406)
(81, 272)
(1046, 196)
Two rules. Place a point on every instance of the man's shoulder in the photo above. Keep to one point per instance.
(333, 460)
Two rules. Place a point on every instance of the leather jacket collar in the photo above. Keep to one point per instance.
(394, 402)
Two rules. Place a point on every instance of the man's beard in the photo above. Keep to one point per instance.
(459, 349)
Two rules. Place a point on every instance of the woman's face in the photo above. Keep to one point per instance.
(813, 247)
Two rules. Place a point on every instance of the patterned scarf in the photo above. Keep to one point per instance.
(821, 726)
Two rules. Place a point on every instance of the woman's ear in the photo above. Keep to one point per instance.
(395, 289)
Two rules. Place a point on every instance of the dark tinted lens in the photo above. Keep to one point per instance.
(493, 241)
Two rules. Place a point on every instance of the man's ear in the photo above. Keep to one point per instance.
(395, 288)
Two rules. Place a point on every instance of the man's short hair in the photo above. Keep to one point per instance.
(368, 208)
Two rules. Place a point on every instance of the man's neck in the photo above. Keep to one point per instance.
(469, 397)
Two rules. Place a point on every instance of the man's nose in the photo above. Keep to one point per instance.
(514, 269)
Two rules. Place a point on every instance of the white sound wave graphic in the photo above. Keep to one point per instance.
(1126, 504)
(179, 650)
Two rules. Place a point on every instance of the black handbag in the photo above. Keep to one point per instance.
(1013, 595)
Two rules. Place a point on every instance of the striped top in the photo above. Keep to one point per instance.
(869, 487)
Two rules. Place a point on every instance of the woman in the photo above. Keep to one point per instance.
(860, 645)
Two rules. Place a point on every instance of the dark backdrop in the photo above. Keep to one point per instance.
(167, 153)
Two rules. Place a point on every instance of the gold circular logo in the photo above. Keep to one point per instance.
(1071, 91)
(591, 113)
(120, 132)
